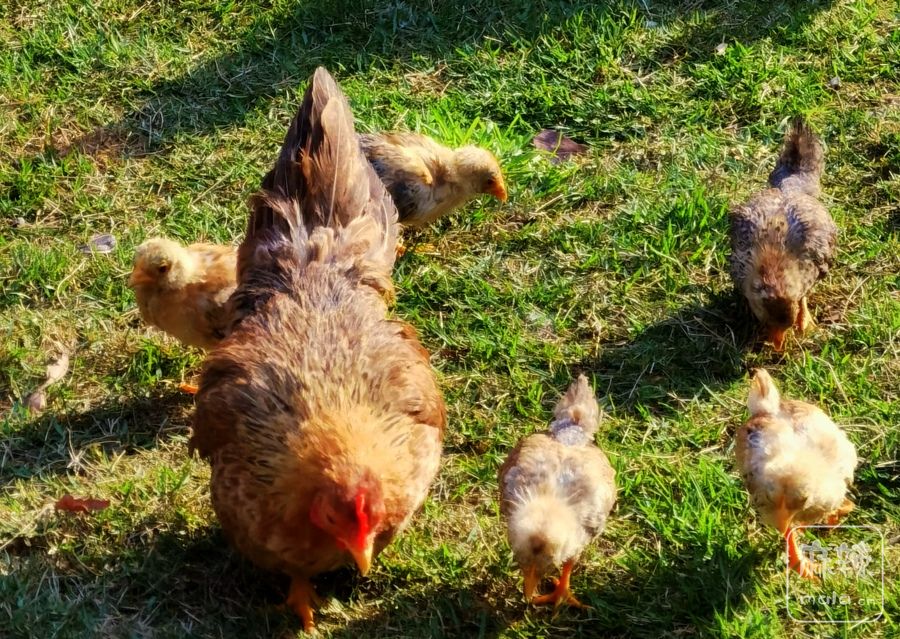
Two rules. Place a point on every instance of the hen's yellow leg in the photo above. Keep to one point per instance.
(845, 509)
(301, 599)
(562, 593)
(796, 560)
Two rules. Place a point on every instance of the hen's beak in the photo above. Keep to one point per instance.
(363, 558)
(499, 190)
(776, 336)
(531, 582)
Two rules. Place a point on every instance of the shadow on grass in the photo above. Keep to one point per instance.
(59, 443)
(678, 359)
(282, 47)
(682, 595)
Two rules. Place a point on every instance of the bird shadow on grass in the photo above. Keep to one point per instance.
(58, 443)
(689, 355)
(683, 594)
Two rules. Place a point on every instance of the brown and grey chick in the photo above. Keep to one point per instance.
(783, 239)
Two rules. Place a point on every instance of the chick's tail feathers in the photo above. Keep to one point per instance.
(801, 162)
(321, 202)
(578, 406)
(764, 398)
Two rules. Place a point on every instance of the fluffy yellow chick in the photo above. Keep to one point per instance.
(795, 462)
(427, 180)
(182, 290)
(557, 490)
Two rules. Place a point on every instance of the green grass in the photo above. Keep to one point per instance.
(141, 118)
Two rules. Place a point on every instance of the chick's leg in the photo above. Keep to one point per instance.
(797, 562)
(804, 317)
(184, 387)
(301, 599)
(562, 593)
(845, 509)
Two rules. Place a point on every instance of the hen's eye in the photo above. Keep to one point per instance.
(163, 269)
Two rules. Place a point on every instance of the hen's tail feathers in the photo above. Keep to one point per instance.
(764, 398)
(321, 202)
(802, 160)
(579, 406)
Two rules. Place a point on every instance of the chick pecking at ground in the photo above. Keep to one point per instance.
(796, 464)
(183, 290)
(428, 180)
(557, 490)
(782, 239)
(321, 417)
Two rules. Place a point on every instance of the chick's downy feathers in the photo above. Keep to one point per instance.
(783, 239)
(427, 180)
(184, 290)
(557, 488)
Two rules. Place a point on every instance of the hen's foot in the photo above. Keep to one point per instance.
(835, 517)
(301, 599)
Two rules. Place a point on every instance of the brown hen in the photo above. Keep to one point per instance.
(320, 416)
(427, 180)
(782, 240)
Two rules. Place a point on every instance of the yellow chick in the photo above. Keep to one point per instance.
(557, 490)
(182, 290)
(795, 462)
(427, 180)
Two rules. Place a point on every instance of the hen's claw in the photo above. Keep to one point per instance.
(301, 599)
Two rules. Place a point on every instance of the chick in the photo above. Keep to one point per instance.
(182, 290)
(795, 462)
(427, 180)
(783, 240)
(557, 490)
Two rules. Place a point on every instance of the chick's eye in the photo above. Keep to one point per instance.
(163, 269)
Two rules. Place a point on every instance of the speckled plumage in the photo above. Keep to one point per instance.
(783, 239)
(427, 180)
(315, 386)
(558, 488)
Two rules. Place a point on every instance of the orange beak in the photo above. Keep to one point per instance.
(776, 336)
(498, 190)
(531, 582)
(363, 558)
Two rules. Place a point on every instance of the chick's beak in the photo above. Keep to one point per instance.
(531, 582)
(138, 278)
(498, 190)
(776, 336)
(363, 557)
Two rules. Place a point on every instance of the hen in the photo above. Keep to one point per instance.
(782, 240)
(320, 417)
(557, 490)
(183, 290)
(795, 462)
(427, 180)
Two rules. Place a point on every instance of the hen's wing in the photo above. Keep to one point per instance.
(305, 213)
